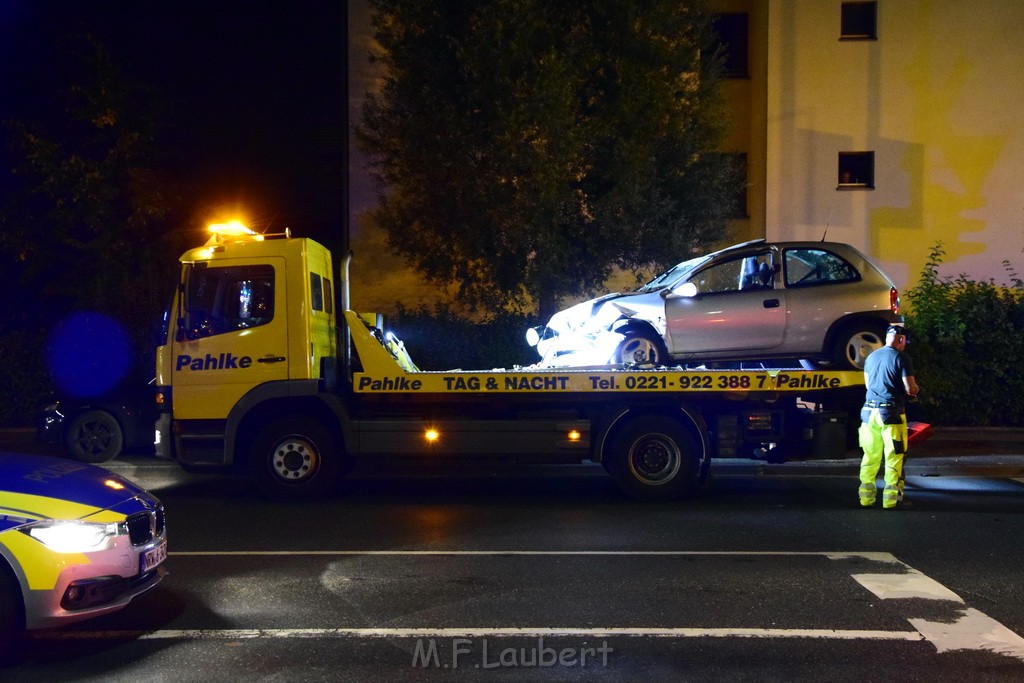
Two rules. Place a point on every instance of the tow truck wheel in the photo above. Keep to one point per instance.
(295, 459)
(654, 458)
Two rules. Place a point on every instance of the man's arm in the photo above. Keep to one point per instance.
(910, 384)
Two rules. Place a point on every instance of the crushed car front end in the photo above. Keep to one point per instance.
(588, 333)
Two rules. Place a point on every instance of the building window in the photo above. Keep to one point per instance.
(858, 21)
(856, 170)
(733, 32)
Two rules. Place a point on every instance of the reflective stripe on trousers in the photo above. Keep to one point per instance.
(880, 442)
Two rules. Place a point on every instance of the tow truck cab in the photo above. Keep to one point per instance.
(234, 336)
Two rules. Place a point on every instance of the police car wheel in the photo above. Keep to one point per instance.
(654, 458)
(295, 459)
(94, 436)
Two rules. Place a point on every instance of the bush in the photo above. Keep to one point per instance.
(23, 376)
(967, 345)
(442, 340)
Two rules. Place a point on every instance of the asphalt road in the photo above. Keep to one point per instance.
(550, 574)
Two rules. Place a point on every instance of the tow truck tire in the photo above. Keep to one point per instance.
(642, 347)
(654, 458)
(295, 459)
(94, 436)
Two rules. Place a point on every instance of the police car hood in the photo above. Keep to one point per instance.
(69, 480)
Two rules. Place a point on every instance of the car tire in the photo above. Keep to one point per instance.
(295, 459)
(643, 347)
(854, 342)
(94, 436)
(12, 616)
(653, 458)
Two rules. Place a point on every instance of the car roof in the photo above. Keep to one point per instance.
(758, 244)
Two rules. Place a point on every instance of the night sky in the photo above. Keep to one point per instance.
(254, 92)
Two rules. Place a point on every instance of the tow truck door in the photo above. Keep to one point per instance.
(232, 334)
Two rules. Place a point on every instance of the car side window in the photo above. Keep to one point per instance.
(220, 300)
(807, 267)
(739, 274)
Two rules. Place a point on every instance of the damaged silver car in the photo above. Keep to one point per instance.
(824, 304)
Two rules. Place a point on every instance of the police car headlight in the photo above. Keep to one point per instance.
(72, 536)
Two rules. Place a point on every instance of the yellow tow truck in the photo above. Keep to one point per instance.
(255, 375)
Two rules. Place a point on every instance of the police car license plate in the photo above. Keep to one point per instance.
(152, 558)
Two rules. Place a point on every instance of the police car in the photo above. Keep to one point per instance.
(76, 541)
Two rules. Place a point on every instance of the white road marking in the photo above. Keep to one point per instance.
(913, 584)
(972, 631)
(246, 634)
(878, 557)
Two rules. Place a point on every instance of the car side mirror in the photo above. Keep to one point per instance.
(687, 289)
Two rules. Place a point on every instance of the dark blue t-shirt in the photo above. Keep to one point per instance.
(884, 371)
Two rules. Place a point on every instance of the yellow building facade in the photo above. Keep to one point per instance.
(891, 125)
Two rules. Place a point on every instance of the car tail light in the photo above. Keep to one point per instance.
(894, 300)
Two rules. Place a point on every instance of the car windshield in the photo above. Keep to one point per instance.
(673, 274)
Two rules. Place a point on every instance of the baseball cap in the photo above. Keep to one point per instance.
(897, 329)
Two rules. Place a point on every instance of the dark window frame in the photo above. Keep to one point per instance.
(858, 21)
(733, 30)
(856, 171)
(316, 290)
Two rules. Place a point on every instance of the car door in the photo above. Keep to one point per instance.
(737, 307)
(821, 287)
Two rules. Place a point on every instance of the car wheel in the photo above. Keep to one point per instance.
(642, 347)
(854, 344)
(654, 458)
(94, 436)
(12, 621)
(295, 459)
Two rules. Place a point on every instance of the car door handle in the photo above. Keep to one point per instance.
(771, 303)
(270, 359)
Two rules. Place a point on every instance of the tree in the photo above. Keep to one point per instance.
(525, 148)
(83, 205)
(82, 218)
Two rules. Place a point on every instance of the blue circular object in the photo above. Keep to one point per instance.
(88, 354)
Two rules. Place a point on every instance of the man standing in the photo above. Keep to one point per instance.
(889, 377)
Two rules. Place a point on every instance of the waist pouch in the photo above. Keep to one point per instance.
(890, 415)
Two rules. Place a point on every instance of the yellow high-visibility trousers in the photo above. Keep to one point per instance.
(879, 442)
